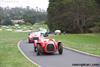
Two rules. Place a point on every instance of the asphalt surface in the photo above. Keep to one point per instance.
(67, 59)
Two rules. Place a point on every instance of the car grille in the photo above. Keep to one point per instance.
(50, 47)
(35, 38)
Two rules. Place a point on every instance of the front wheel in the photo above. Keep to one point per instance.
(35, 49)
(38, 50)
(29, 41)
(60, 48)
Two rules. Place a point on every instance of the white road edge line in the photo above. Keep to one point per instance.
(25, 55)
(82, 52)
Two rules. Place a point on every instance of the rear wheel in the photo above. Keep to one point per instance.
(60, 48)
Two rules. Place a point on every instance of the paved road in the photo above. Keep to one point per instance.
(67, 59)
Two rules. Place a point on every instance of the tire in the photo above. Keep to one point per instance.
(35, 49)
(38, 50)
(60, 48)
(29, 41)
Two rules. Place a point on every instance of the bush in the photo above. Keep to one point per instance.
(6, 21)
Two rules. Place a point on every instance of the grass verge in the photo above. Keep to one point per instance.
(85, 42)
(9, 53)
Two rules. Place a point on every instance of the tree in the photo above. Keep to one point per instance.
(28, 14)
(75, 16)
(6, 21)
(98, 1)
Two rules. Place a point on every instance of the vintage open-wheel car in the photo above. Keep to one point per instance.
(48, 46)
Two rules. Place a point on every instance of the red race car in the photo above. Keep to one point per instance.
(33, 38)
(49, 46)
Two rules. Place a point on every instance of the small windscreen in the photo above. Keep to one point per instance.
(35, 38)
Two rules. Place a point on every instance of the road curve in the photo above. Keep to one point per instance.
(67, 59)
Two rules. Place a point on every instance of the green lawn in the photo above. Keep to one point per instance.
(9, 53)
(11, 57)
(85, 42)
